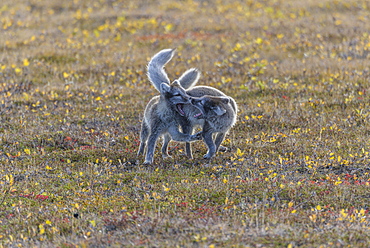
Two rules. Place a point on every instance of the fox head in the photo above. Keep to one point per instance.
(175, 95)
(210, 106)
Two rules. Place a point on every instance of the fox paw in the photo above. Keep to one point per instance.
(223, 149)
(166, 156)
(208, 156)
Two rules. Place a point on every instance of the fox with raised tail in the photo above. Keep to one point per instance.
(163, 112)
(190, 116)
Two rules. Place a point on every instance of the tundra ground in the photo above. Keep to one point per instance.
(73, 88)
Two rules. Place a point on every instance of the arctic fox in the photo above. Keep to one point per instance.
(163, 112)
(189, 117)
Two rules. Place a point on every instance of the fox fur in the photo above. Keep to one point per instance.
(188, 80)
(219, 114)
(163, 112)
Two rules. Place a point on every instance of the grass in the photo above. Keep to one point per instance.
(73, 89)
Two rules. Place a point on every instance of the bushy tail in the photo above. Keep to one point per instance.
(156, 72)
(189, 78)
(234, 105)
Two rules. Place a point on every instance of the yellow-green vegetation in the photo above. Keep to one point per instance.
(73, 88)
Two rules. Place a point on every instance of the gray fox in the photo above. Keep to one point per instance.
(162, 113)
(219, 113)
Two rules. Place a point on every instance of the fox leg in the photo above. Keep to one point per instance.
(166, 140)
(152, 141)
(143, 138)
(207, 136)
(181, 137)
(218, 140)
(187, 129)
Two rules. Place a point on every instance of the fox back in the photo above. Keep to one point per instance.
(218, 111)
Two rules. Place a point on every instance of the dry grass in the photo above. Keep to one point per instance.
(73, 88)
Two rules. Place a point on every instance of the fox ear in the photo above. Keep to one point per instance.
(176, 83)
(165, 87)
(225, 100)
(219, 110)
